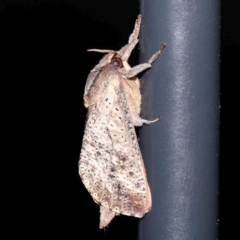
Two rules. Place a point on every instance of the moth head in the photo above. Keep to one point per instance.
(112, 58)
(119, 58)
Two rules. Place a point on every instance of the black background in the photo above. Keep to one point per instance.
(46, 65)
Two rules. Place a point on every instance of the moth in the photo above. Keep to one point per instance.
(111, 165)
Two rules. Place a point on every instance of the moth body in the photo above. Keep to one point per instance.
(111, 164)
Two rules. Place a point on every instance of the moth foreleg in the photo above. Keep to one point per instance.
(141, 67)
(136, 30)
(156, 55)
(138, 121)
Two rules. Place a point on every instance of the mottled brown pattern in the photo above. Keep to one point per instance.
(111, 165)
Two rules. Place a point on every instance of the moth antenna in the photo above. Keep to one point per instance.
(101, 50)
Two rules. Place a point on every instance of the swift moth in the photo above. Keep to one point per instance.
(111, 165)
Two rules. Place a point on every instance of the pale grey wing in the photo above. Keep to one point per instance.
(111, 164)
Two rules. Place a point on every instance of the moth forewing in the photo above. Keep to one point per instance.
(111, 164)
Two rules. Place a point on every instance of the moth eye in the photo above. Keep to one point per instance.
(117, 62)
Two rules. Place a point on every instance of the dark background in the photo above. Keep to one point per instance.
(46, 65)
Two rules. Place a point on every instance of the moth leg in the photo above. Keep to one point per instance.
(125, 52)
(138, 121)
(141, 67)
(156, 55)
(134, 35)
(106, 217)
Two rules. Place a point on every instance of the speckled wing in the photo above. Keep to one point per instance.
(111, 165)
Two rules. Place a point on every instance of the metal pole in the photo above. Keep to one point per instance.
(181, 152)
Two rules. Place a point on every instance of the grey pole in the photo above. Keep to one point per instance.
(181, 152)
